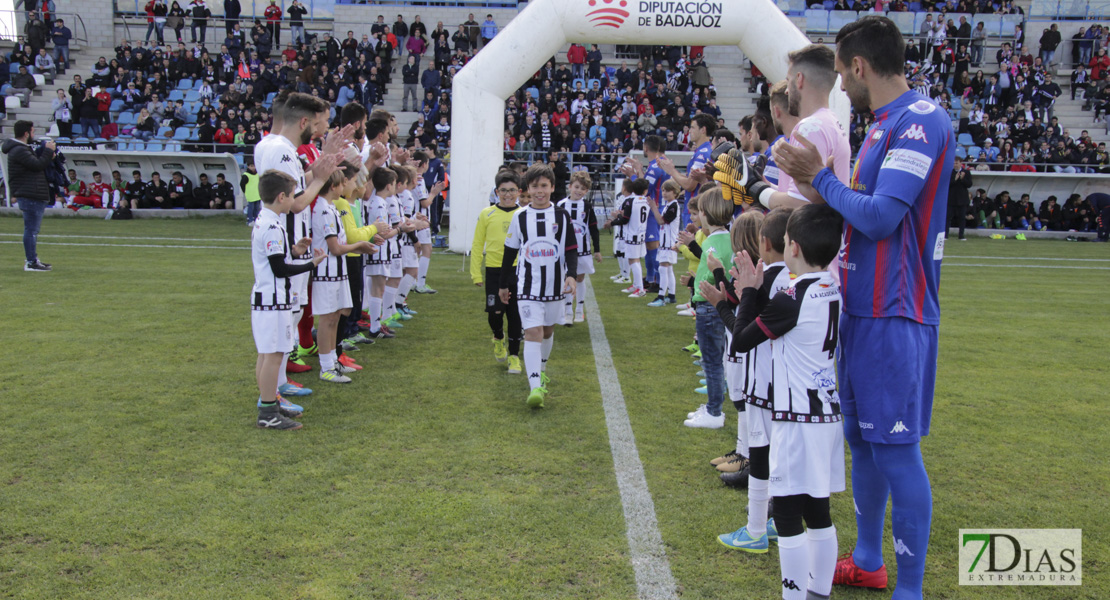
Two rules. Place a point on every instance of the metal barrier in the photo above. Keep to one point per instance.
(218, 24)
(829, 22)
(11, 30)
(1070, 9)
(444, 3)
(317, 9)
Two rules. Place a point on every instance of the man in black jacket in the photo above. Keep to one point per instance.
(958, 198)
(410, 77)
(157, 194)
(27, 185)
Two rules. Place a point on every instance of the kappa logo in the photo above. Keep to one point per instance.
(900, 547)
(914, 132)
(789, 584)
(792, 292)
(899, 427)
(606, 16)
(286, 158)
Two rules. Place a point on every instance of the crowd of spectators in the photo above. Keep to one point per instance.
(155, 192)
(1076, 214)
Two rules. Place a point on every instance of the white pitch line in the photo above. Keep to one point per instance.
(1030, 258)
(649, 557)
(1024, 266)
(132, 245)
(109, 237)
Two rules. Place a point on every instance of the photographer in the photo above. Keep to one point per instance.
(27, 184)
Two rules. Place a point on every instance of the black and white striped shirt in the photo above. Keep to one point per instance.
(268, 238)
(544, 241)
(584, 221)
(326, 224)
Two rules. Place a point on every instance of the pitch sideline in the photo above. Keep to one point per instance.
(649, 557)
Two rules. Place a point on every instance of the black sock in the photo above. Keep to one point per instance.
(514, 346)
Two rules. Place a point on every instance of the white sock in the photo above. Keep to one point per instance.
(282, 377)
(822, 559)
(623, 262)
(568, 305)
(533, 363)
(374, 307)
(327, 361)
(581, 309)
(742, 432)
(387, 302)
(794, 566)
(757, 506)
(422, 272)
(403, 289)
(666, 277)
(546, 345)
(637, 275)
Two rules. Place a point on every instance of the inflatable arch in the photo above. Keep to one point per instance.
(758, 27)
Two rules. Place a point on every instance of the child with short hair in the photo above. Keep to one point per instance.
(424, 198)
(331, 293)
(248, 183)
(693, 236)
(756, 390)
(272, 299)
(618, 235)
(716, 215)
(582, 215)
(543, 237)
(378, 264)
(633, 216)
(667, 216)
(807, 437)
(487, 249)
(395, 269)
(415, 222)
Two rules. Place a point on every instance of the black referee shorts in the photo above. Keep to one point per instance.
(493, 285)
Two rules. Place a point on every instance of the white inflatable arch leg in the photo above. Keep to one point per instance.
(541, 30)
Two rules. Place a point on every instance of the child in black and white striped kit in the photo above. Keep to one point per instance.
(542, 235)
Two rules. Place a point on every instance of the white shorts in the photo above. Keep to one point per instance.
(394, 269)
(734, 377)
(299, 289)
(409, 258)
(635, 251)
(534, 313)
(330, 296)
(377, 270)
(759, 426)
(618, 245)
(666, 256)
(586, 265)
(273, 331)
(807, 458)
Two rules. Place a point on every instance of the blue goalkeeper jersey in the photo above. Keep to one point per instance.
(907, 155)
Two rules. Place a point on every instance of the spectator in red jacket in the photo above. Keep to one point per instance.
(273, 22)
(1099, 66)
(561, 116)
(576, 56)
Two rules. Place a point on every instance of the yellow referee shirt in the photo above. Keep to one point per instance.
(489, 240)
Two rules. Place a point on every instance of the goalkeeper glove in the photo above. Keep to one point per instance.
(739, 182)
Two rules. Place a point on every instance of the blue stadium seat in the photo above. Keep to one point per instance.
(829, 4)
(610, 72)
(590, 84)
(797, 7)
(182, 133)
(906, 22)
(164, 132)
(185, 84)
(117, 105)
(840, 18)
(817, 21)
(964, 139)
(122, 147)
(914, 7)
(973, 151)
(13, 68)
(173, 148)
(82, 140)
(1011, 21)
(961, 153)
(574, 84)
(137, 147)
(126, 118)
(77, 130)
(153, 147)
(197, 84)
(176, 95)
(192, 96)
(191, 118)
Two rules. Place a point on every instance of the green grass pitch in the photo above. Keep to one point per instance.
(130, 466)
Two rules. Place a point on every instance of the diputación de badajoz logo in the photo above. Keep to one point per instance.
(656, 13)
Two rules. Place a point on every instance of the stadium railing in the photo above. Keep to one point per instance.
(443, 3)
(1070, 9)
(10, 26)
(829, 22)
(317, 9)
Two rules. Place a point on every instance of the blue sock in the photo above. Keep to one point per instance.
(652, 273)
(869, 492)
(912, 513)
